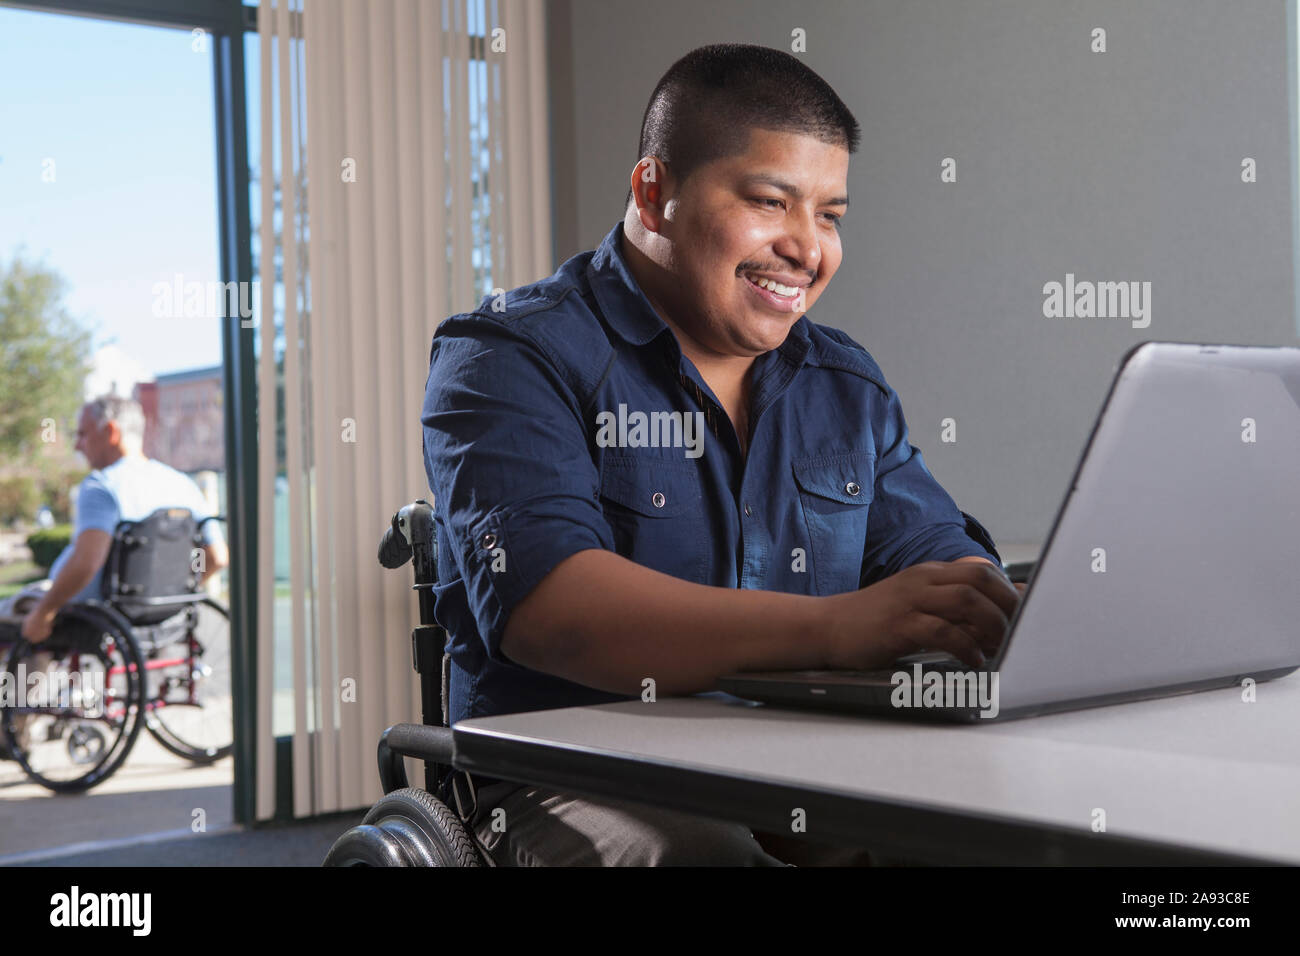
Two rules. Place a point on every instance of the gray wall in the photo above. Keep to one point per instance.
(1123, 165)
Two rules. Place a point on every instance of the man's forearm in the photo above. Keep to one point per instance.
(74, 576)
(603, 621)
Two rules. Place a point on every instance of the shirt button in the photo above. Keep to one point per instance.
(658, 499)
(748, 510)
(852, 488)
(489, 541)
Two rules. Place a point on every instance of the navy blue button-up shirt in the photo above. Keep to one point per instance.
(563, 416)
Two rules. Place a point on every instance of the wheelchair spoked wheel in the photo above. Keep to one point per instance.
(407, 827)
(73, 726)
(189, 707)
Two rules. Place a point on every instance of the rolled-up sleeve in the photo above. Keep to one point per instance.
(515, 488)
(96, 507)
(912, 518)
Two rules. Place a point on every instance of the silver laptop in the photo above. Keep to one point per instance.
(1173, 564)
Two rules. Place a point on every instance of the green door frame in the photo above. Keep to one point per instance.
(226, 21)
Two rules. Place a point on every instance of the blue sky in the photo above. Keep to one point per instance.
(126, 113)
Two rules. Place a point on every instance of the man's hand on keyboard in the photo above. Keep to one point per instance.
(961, 607)
(1019, 585)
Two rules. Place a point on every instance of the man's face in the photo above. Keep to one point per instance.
(769, 213)
(94, 439)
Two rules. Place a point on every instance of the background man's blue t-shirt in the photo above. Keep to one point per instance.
(131, 489)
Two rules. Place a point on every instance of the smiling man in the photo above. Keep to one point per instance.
(590, 549)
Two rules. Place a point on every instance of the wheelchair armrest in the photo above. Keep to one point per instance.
(421, 741)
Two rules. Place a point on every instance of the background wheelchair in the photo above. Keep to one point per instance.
(155, 650)
(413, 826)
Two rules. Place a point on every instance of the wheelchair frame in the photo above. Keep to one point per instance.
(411, 826)
(412, 537)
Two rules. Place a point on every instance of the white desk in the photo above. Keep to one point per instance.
(1198, 778)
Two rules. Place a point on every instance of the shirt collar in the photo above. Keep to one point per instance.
(626, 308)
(629, 312)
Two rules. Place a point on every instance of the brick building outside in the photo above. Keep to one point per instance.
(184, 423)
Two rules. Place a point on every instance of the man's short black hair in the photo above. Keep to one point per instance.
(705, 105)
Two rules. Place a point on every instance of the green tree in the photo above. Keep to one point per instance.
(56, 483)
(19, 498)
(45, 358)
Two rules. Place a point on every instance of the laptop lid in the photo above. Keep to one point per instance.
(1174, 555)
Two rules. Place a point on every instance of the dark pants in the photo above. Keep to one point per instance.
(531, 826)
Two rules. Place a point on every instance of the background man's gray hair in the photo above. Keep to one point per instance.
(125, 412)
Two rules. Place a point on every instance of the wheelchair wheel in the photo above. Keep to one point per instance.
(73, 725)
(188, 706)
(406, 828)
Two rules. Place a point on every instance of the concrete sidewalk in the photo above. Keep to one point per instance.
(153, 795)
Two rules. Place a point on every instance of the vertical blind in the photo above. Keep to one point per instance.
(404, 176)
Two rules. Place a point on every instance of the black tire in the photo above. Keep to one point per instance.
(204, 732)
(406, 828)
(97, 738)
(8, 635)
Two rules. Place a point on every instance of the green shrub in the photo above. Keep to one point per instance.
(47, 543)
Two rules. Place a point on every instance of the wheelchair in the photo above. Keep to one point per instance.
(413, 826)
(155, 651)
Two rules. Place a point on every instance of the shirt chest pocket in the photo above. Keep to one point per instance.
(835, 494)
(656, 511)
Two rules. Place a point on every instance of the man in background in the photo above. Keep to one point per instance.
(124, 485)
